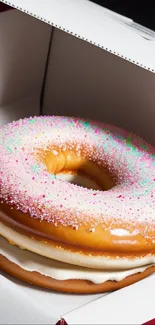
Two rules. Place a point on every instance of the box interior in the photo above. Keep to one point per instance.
(47, 71)
(24, 43)
(83, 80)
(55, 73)
(131, 305)
(34, 304)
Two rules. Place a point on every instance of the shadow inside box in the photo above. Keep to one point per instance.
(38, 290)
(4, 7)
(16, 281)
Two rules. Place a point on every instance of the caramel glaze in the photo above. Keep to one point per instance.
(78, 241)
(99, 242)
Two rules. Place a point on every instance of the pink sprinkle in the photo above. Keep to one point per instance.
(96, 131)
(117, 157)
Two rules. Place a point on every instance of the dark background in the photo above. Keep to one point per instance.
(142, 12)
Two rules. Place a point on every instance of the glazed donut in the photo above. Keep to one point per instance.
(108, 225)
(50, 274)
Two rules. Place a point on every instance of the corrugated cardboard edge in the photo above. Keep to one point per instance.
(78, 36)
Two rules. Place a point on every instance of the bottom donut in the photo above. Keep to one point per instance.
(70, 286)
(36, 270)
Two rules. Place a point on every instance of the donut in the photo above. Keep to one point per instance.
(79, 195)
(49, 274)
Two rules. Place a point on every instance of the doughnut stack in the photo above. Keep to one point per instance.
(77, 204)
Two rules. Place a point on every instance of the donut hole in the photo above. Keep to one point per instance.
(80, 179)
(76, 169)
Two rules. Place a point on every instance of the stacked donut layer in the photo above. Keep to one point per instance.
(101, 237)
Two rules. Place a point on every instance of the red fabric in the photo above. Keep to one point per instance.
(150, 322)
(61, 322)
(4, 7)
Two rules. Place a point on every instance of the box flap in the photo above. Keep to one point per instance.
(23, 304)
(95, 25)
(132, 305)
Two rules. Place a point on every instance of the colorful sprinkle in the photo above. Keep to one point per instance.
(26, 183)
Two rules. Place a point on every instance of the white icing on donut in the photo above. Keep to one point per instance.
(60, 271)
(25, 183)
(95, 262)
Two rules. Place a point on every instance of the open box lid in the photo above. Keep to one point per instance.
(97, 25)
(112, 33)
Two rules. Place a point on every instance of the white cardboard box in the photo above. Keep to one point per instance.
(76, 58)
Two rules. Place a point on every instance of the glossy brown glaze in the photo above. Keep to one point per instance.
(99, 242)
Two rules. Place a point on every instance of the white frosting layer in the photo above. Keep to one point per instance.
(59, 254)
(58, 270)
